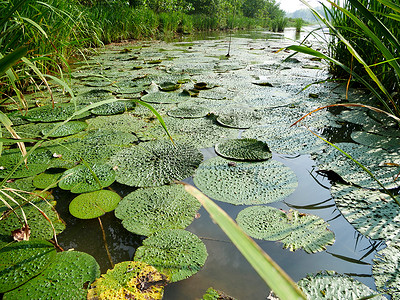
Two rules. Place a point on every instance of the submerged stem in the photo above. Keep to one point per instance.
(105, 243)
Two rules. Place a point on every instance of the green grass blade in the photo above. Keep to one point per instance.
(391, 4)
(36, 25)
(282, 285)
(11, 59)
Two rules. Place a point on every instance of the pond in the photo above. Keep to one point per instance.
(253, 93)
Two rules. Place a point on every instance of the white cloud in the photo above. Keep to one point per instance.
(292, 5)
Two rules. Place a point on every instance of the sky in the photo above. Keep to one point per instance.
(292, 5)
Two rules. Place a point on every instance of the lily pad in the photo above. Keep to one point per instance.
(22, 261)
(334, 286)
(129, 280)
(155, 163)
(375, 140)
(243, 149)
(40, 227)
(60, 112)
(372, 213)
(213, 294)
(295, 230)
(385, 270)
(123, 123)
(94, 204)
(178, 253)
(68, 128)
(188, 112)
(94, 95)
(47, 179)
(113, 108)
(163, 97)
(67, 277)
(87, 178)
(239, 117)
(382, 164)
(245, 182)
(146, 211)
(169, 86)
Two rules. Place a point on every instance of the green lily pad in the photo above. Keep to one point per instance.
(163, 97)
(372, 213)
(188, 112)
(94, 95)
(295, 230)
(68, 128)
(334, 286)
(374, 140)
(382, 164)
(149, 210)
(245, 182)
(113, 108)
(124, 123)
(203, 86)
(94, 204)
(129, 280)
(67, 277)
(83, 179)
(22, 261)
(178, 253)
(155, 163)
(239, 117)
(385, 270)
(357, 116)
(243, 149)
(60, 112)
(38, 162)
(47, 179)
(169, 86)
(40, 227)
(213, 294)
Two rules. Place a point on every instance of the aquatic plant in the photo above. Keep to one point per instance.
(243, 149)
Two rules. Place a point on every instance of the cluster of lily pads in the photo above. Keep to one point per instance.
(204, 102)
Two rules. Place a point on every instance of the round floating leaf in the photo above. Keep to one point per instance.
(293, 229)
(382, 164)
(113, 108)
(123, 123)
(239, 117)
(357, 116)
(68, 128)
(169, 86)
(83, 179)
(213, 294)
(155, 163)
(60, 112)
(22, 261)
(94, 204)
(372, 213)
(47, 179)
(40, 227)
(334, 286)
(146, 211)
(243, 149)
(188, 112)
(129, 280)
(67, 277)
(163, 97)
(385, 270)
(245, 182)
(178, 253)
(374, 140)
(38, 162)
(94, 95)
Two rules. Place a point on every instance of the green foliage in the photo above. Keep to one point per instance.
(136, 280)
(21, 261)
(149, 210)
(213, 294)
(94, 204)
(67, 277)
(65, 129)
(243, 149)
(47, 179)
(48, 113)
(176, 252)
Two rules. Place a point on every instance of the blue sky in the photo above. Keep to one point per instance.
(292, 5)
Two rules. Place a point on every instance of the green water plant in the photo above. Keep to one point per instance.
(176, 252)
(68, 276)
(149, 210)
(213, 294)
(243, 149)
(133, 279)
(245, 182)
(65, 129)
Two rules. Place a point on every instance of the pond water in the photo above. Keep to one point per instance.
(253, 57)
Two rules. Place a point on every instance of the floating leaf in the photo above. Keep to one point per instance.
(67, 277)
(94, 204)
(188, 112)
(163, 97)
(371, 158)
(60, 112)
(169, 86)
(178, 253)
(94, 95)
(385, 270)
(146, 211)
(40, 227)
(243, 149)
(123, 123)
(295, 230)
(239, 117)
(129, 280)
(213, 294)
(68, 128)
(245, 182)
(375, 140)
(87, 178)
(47, 179)
(113, 108)
(155, 163)
(21, 261)
(372, 213)
(334, 286)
